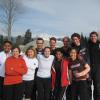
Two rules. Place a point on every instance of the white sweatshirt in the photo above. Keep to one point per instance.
(32, 64)
(44, 70)
(3, 57)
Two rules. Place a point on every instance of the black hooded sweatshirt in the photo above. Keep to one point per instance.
(94, 52)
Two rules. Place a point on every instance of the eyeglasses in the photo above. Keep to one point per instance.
(65, 41)
(39, 43)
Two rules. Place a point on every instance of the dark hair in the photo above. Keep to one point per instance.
(7, 42)
(95, 33)
(75, 35)
(40, 39)
(53, 38)
(58, 50)
(16, 47)
(66, 38)
(79, 57)
(46, 48)
(33, 49)
(73, 48)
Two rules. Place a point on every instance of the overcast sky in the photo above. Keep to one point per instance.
(59, 17)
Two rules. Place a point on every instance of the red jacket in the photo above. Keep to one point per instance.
(14, 70)
(64, 74)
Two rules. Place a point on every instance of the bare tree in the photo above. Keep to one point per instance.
(10, 10)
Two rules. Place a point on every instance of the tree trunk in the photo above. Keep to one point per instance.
(9, 32)
(10, 20)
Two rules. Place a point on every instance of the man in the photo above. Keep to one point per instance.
(82, 49)
(94, 50)
(66, 48)
(40, 45)
(7, 45)
(83, 54)
(39, 49)
(52, 43)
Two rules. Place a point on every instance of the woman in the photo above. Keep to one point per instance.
(32, 65)
(80, 70)
(15, 68)
(44, 74)
(60, 77)
(7, 45)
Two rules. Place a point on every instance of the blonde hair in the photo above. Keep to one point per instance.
(33, 49)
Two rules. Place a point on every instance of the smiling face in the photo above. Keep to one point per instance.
(76, 41)
(65, 41)
(30, 53)
(7, 47)
(59, 55)
(52, 44)
(47, 52)
(94, 38)
(16, 52)
(39, 44)
(73, 54)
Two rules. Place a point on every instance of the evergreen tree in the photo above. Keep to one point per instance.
(28, 36)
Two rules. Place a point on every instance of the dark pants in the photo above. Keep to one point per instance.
(79, 89)
(34, 91)
(43, 88)
(28, 87)
(59, 93)
(89, 89)
(13, 92)
(1, 87)
(68, 93)
(89, 82)
(96, 83)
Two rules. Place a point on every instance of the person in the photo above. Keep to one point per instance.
(40, 45)
(94, 50)
(80, 70)
(15, 68)
(39, 50)
(83, 53)
(44, 74)
(52, 43)
(60, 76)
(28, 78)
(7, 45)
(66, 47)
(81, 48)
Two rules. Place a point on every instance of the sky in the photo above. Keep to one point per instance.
(58, 17)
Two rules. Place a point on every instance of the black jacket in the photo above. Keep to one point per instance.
(66, 51)
(94, 52)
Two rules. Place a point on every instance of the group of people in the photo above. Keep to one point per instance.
(47, 73)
